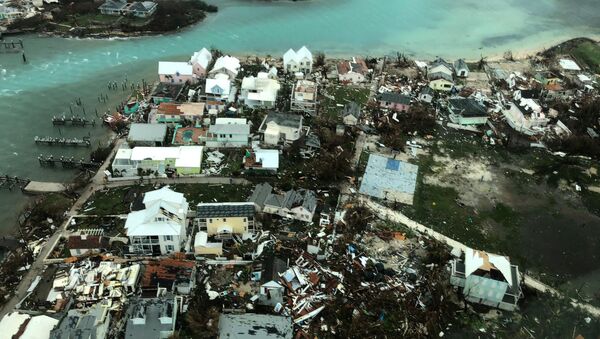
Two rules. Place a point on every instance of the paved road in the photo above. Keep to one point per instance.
(37, 267)
(179, 180)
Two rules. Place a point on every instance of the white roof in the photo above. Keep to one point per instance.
(174, 67)
(140, 223)
(222, 82)
(291, 55)
(230, 121)
(164, 194)
(584, 78)
(162, 153)
(201, 240)
(268, 157)
(190, 156)
(123, 153)
(227, 62)
(569, 65)
(475, 259)
(38, 327)
(263, 88)
(203, 58)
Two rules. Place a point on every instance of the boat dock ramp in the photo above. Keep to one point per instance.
(85, 141)
(29, 186)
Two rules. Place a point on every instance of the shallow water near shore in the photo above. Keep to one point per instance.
(61, 70)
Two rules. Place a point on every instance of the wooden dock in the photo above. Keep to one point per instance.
(50, 161)
(11, 46)
(52, 141)
(73, 120)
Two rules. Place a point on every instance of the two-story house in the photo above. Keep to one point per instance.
(487, 279)
(175, 72)
(216, 93)
(227, 65)
(300, 61)
(160, 228)
(397, 102)
(227, 132)
(281, 127)
(176, 113)
(467, 111)
(200, 61)
(224, 219)
(294, 204)
(259, 91)
(304, 97)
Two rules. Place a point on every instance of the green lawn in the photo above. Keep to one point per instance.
(197, 193)
(589, 53)
(343, 95)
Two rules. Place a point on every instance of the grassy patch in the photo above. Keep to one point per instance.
(113, 201)
(341, 95)
(197, 193)
(589, 53)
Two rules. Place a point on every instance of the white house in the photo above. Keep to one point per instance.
(184, 160)
(226, 65)
(259, 91)
(461, 69)
(440, 65)
(281, 127)
(160, 228)
(227, 132)
(175, 72)
(300, 61)
(426, 94)
(216, 93)
(200, 62)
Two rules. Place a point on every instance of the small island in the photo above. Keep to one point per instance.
(109, 18)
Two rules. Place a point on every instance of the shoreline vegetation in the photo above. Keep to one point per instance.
(82, 18)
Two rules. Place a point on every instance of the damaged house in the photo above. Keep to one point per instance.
(92, 323)
(467, 111)
(525, 115)
(304, 97)
(397, 102)
(294, 204)
(487, 279)
(173, 275)
(160, 228)
(151, 318)
(281, 127)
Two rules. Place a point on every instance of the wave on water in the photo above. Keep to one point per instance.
(10, 92)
